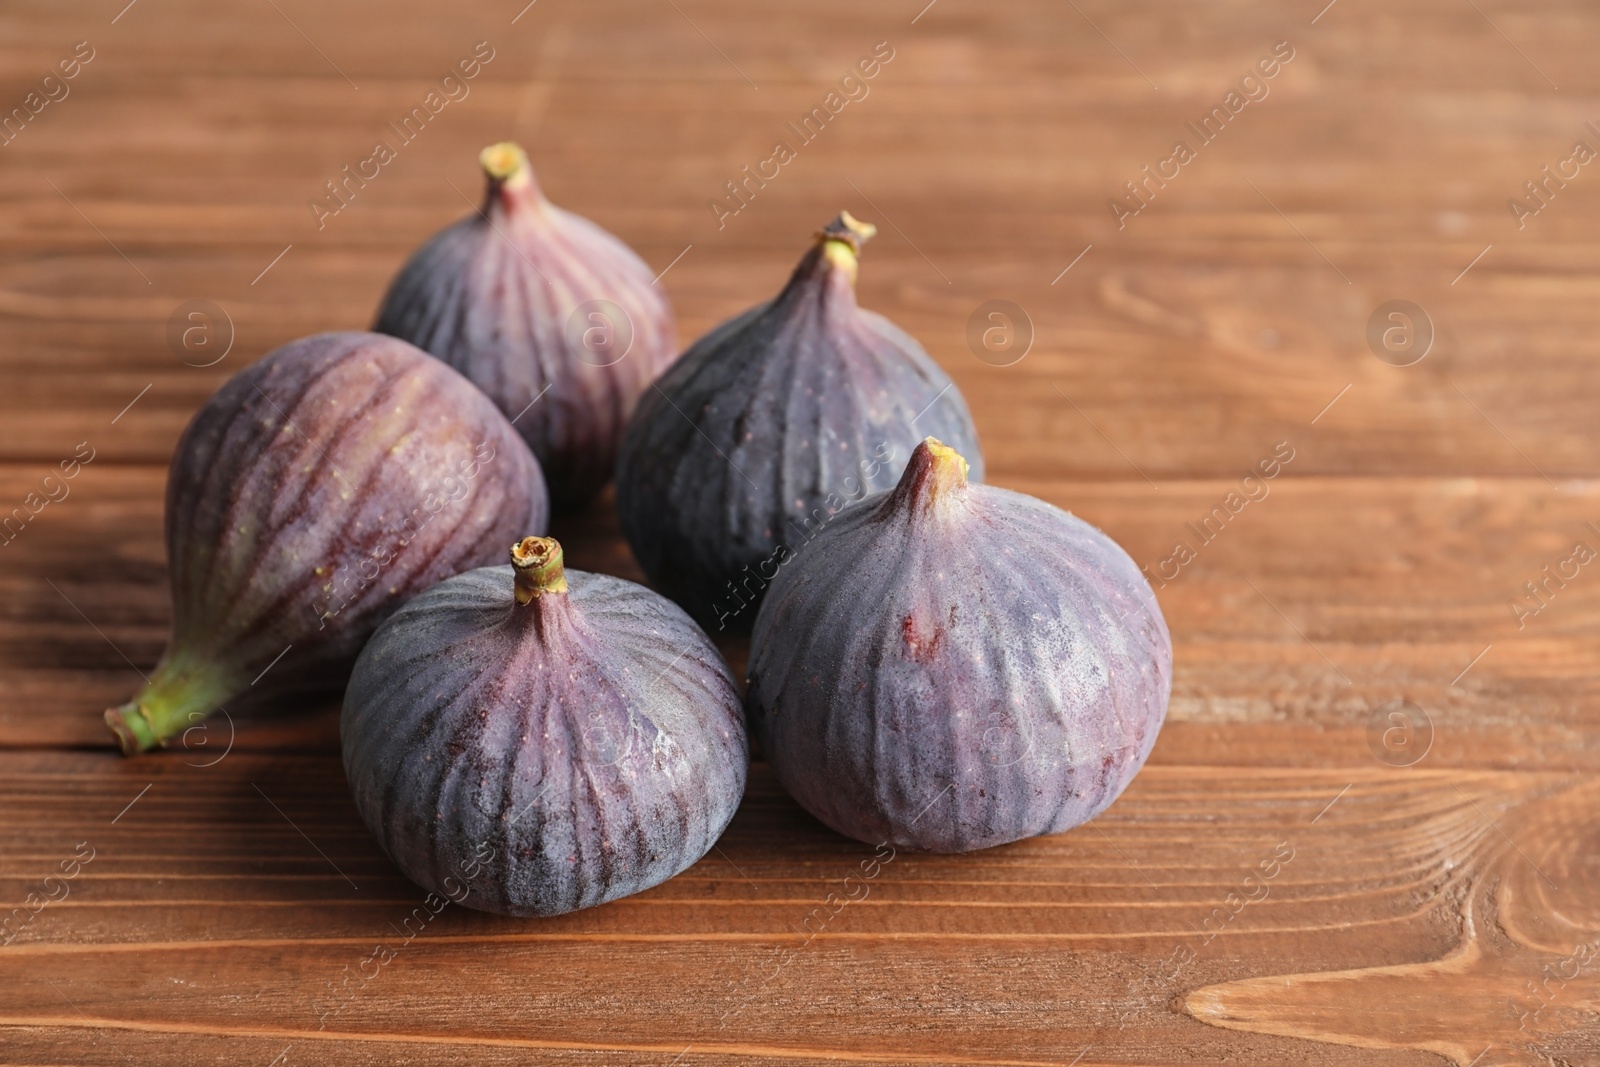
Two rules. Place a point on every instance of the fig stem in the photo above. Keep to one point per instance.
(849, 230)
(540, 568)
(180, 693)
(950, 467)
(936, 472)
(841, 241)
(506, 163)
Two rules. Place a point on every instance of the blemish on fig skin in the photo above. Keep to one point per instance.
(921, 649)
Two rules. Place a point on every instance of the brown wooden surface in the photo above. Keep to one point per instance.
(1447, 911)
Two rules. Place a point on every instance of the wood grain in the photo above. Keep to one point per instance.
(1277, 886)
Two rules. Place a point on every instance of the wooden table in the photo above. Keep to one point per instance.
(1286, 882)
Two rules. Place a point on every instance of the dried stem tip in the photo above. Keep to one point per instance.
(841, 240)
(939, 469)
(506, 163)
(849, 229)
(539, 567)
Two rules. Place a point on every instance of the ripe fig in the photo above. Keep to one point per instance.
(530, 740)
(553, 317)
(768, 425)
(310, 497)
(954, 666)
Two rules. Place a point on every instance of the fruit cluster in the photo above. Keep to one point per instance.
(936, 664)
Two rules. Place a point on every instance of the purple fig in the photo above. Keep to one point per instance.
(553, 317)
(311, 496)
(954, 666)
(530, 740)
(768, 426)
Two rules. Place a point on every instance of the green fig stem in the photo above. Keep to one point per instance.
(841, 241)
(181, 692)
(540, 568)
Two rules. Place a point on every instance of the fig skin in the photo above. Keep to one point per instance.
(768, 426)
(496, 296)
(529, 740)
(313, 494)
(956, 666)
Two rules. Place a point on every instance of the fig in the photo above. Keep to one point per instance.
(954, 666)
(768, 425)
(314, 493)
(559, 322)
(530, 740)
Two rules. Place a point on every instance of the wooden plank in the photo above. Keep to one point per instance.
(1224, 324)
(203, 897)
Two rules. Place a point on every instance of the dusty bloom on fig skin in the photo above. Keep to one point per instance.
(581, 725)
(558, 321)
(795, 403)
(952, 666)
(270, 496)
